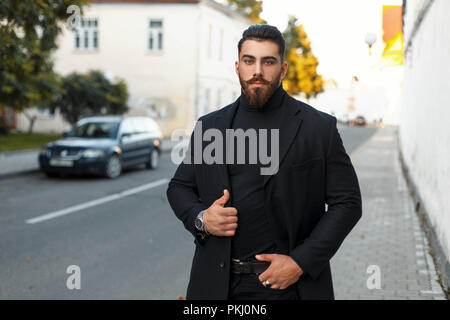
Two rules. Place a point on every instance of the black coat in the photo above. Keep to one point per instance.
(314, 170)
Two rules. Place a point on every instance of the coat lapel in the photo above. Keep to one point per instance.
(291, 121)
(223, 121)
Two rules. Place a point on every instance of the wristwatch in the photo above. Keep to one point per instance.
(199, 222)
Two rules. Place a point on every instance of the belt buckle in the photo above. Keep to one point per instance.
(242, 267)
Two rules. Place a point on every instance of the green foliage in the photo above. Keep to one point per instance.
(28, 33)
(89, 94)
(250, 8)
(21, 141)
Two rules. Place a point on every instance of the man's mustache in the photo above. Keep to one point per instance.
(257, 79)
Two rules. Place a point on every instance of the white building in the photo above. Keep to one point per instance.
(177, 57)
(374, 89)
(425, 114)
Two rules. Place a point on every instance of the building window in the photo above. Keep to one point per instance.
(86, 34)
(221, 45)
(44, 112)
(209, 41)
(155, 36)
(219, 98)
(207, 102)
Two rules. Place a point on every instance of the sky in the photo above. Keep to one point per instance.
(337, 30)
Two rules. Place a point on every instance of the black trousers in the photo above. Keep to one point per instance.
(246, 286)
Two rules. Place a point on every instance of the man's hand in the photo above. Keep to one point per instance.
(282, 272)
(218, 220)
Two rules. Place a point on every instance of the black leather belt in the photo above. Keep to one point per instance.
(248, 266)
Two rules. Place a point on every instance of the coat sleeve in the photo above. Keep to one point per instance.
(183, 196)
(343, 197)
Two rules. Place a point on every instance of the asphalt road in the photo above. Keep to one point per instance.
(127, 245)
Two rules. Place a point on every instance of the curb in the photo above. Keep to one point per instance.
(18, 173)
(441, 264)
(17, 152)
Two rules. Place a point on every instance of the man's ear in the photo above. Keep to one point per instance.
(284, 68)
(236, 67)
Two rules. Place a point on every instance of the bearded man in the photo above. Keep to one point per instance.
(267, 236)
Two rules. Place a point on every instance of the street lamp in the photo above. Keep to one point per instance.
(371, 38)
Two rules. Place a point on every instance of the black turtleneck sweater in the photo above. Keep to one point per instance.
(254, 234)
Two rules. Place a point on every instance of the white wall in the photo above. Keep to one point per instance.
(216, 58)
(44, 122)
(372, 102)
(425, 114)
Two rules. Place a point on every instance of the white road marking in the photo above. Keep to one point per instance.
(96, 202)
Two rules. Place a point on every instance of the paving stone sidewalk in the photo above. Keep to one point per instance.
(388, 236)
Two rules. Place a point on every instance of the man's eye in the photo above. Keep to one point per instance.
(247, 61)
(269, 62)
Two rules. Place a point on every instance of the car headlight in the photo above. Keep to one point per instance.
(93, 153)
(43, 151)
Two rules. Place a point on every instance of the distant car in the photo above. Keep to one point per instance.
(358, 121)
(103, 145)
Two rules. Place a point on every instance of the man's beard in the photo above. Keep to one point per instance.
(257, 97)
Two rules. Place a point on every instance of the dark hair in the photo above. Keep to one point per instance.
(262, 32)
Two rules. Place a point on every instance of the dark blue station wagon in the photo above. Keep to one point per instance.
(103, 145)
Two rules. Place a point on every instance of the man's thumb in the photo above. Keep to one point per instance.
(224, 199)
(264, 257)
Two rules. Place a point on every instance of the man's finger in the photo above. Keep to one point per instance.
(229, 233)
(224, 199)
(265, 257)
(229, 211)
(228, 220)
(230, 226)
(264, 276)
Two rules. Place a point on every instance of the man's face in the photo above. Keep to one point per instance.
(260, 70)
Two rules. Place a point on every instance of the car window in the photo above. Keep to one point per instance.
(127, 127)
(139, 126)
(151, 125)
(95, 130)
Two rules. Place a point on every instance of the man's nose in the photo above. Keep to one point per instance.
(258, 70)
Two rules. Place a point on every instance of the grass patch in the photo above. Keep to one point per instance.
(21, 141)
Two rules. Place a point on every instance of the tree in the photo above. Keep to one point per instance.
(250, 8)
(302, 73)
(89, 94)
(28, 32)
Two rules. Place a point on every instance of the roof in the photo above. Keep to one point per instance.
(218, 6)
(102, 118)
(145, 1)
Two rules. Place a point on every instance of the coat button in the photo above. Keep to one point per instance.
(222, 264)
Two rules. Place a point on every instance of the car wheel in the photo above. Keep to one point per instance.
(153, 161)
(113, 167)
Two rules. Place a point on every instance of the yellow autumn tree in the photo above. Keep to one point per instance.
(302, 76)
(250, 8)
